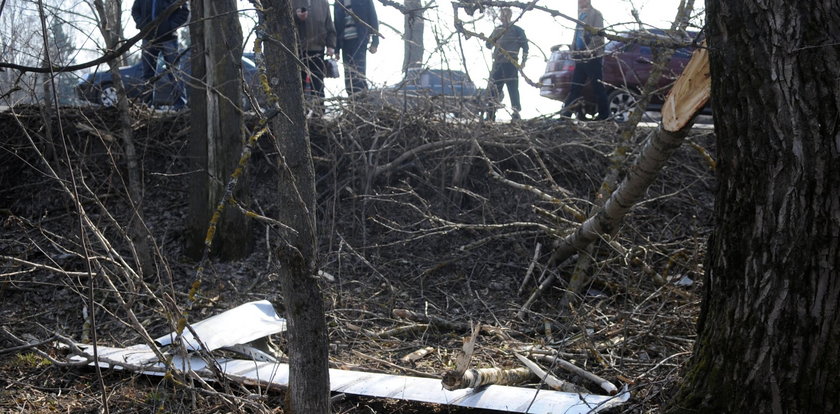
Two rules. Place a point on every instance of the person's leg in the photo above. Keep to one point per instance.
(360, 58)
(171, 57)
(512, 82)
(496, 83)
(354, 55)
(578, 80)
(596, 71)
(149, 56)
(316, 67)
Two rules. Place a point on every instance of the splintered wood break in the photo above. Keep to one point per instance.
(690, 93)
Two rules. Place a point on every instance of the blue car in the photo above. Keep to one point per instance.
(97, 87)
(443, 90)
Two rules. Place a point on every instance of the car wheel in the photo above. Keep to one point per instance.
(621, 105)
(108, 95)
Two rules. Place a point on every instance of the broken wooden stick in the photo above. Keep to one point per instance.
(568, 366)
(550, 380)
(416, 355)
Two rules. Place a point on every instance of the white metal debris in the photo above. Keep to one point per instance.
(255, 320)
(496, 397)
(239, 325)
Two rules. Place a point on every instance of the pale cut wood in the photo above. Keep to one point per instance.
(546, 377)
(691, 92)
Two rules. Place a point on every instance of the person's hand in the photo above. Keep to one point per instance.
(522, 65)
(373, 49)
(302, 13)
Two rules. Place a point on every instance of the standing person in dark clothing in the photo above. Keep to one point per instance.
(354, 20)
(507, 40)
(586, 49)
(318, 33)
(161, 40)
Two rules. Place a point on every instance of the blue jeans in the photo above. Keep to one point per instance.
(169, 49)
(354, 56)
(592, 70)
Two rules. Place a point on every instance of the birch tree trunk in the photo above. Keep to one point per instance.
(309, 389)
(216, 118)
(769, 329)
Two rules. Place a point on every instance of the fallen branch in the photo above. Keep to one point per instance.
(550, 380)
(568, 366)
(661, 144)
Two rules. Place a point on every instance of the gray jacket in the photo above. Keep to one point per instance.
(591, 42)
(318, 28)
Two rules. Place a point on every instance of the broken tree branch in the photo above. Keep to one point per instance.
(568, 366)
(660, 145)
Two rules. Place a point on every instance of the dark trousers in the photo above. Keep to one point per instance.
(591, 70)
(315, 69)
(505, 74)
(169, 49)
(354, 56)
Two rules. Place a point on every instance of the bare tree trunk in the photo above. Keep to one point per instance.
(307, 335)
(216, 119)
(414, 26)
(769, 329)
(111, 30)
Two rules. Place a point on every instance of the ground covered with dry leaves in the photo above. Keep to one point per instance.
(451, 219)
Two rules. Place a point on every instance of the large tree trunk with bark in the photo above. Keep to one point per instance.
(769, 330)
(307, 334)
(217, 139)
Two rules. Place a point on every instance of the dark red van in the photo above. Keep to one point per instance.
(627, 66)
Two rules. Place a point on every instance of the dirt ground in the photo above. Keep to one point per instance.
(415, 211)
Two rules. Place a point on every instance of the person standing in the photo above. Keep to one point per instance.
(356, 24)
(161, 40)
(507, 39)
(318, 34)
(586, 49)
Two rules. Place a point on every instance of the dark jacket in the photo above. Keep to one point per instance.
(146, 11)
(508, 38)
(365, 11)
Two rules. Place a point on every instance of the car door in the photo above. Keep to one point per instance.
(627, 66)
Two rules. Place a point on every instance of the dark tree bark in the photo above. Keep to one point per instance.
(217, 139)
(414, 27)
(769, 330)
(307, 331)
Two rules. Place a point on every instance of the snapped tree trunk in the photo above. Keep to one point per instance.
(414, 26)
(216, 119)
(309, 389)
(769, 330)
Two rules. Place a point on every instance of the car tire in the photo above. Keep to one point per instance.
(621, 104)
(108, 95)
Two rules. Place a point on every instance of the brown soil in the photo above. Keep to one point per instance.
(396, 232)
